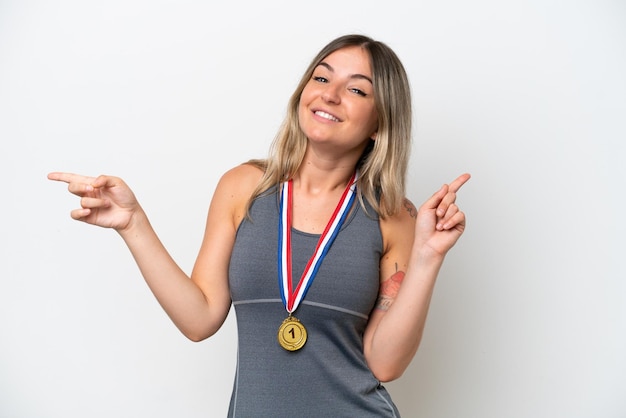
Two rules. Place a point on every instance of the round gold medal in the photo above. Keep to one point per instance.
(291, 334)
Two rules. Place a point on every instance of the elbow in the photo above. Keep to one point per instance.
(196, 338)
(199, 329)
(385, 369)
(387, 375)
(197, 335)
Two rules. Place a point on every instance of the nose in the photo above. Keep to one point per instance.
(331, 94)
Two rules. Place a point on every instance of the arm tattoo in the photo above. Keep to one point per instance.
(410, 208)
(389, 290)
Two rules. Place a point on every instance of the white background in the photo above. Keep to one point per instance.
(528, 317)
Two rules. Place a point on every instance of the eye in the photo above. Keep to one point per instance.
(320, 79)
(358, 91)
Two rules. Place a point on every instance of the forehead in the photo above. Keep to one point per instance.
(352, 60)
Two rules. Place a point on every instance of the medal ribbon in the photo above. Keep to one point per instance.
(291, 299)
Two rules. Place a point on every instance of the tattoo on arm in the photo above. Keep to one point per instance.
(389, 290)
(410, 208)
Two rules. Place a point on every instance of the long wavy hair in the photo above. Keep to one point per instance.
(384, 162)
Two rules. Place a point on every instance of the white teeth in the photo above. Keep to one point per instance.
(326, 116)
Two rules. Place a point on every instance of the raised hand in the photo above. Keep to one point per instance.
(440, 222)
(105, 201)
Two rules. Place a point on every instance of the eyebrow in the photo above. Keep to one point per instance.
(357, 76)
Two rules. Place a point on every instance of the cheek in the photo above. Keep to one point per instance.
(371, 121)
(301, 110)
(304, 118)
(302, 103)
(306, 94)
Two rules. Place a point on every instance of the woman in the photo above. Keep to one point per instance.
(329, 267)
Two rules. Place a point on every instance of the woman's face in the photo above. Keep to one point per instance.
(337, 104)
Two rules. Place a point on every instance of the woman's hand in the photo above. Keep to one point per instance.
(105, 201)
(440, 222)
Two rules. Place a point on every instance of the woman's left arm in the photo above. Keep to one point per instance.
(416, 243)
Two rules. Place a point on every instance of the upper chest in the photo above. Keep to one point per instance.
(312, 214)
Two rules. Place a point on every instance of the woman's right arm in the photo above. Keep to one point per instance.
(198, 307)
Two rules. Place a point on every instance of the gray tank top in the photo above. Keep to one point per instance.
(328, 377)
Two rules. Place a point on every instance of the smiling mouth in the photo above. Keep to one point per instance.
(326, 116)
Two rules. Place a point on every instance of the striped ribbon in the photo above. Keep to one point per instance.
(292, 298)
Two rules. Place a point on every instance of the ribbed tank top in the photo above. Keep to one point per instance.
(328, 377)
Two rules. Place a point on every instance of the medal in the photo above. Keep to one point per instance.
(292, 334)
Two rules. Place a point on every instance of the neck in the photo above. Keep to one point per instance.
(317, 180)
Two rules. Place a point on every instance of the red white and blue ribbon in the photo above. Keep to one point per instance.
(292, 298)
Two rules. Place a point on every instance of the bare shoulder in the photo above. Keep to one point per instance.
(244, 176)
(408, 210)
(234, 190)
(241, 180)
(400, 225)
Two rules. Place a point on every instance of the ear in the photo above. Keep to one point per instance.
(373, 136)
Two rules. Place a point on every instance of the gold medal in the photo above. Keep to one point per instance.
(291, 334)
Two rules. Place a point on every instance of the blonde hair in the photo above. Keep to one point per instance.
(384, 163)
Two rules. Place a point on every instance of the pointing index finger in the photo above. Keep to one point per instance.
(458, 182)
(68, 177)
